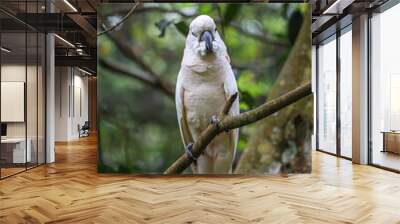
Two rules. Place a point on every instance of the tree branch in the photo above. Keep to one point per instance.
(165, 10)
(126, 49)
(130, 12)
(231, 122)
(122, 10)
(151, 81)
(260, 37)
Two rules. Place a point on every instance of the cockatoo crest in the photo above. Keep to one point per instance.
(204, 50)
(203, 38)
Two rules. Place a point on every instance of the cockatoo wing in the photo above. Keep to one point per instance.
(181, 112)
(231, 88)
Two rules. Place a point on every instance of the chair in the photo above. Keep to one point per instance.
(84, 130)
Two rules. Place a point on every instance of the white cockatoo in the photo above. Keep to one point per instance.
(205, 82)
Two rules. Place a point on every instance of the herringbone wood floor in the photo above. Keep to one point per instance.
(70, 191)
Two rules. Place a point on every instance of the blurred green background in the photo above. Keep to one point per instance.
(138, 125)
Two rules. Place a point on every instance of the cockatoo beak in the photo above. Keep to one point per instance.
(208, 38)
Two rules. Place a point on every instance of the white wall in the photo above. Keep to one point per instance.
(12, 73)
(71, 94)
(62, 82)
(80, 109)
(33, 126)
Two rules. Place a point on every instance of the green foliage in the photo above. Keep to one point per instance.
(295, 21)
(162, 26)
(276, 25)
(231, 11)
(133, 134)
(205, 9)
(182, 27)
(250, 89)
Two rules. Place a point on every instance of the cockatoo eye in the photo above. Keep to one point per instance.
(194, 34)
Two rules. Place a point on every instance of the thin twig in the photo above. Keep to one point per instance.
(124, 46)
(122, 10)
(231, 122)
(264, 38)
(151, 81)
(137, 2)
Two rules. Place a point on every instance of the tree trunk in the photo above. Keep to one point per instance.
(282, 142)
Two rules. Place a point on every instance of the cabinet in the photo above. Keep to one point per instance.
(391, 142)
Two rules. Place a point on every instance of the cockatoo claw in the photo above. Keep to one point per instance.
(214, 120)
(188, 150)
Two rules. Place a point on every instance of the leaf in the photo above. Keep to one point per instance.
(205, 9)
(231, 11)
(275, 25)
(246, 101)
(248, 83)
(243, 106)
(162, 26)
(182, 27)
(294, 25)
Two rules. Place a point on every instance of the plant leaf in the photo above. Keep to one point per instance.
(294, 25)
(182, 27)
(231, 11)
(162, 26)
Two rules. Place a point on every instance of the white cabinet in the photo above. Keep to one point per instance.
(18, 147)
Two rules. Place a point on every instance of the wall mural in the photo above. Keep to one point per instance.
(208, 88)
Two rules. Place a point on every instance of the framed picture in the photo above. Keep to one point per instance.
(166, 71)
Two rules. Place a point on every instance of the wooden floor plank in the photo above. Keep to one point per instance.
(71, 191)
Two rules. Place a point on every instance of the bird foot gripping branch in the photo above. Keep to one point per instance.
(216, 122)
(189, 152)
